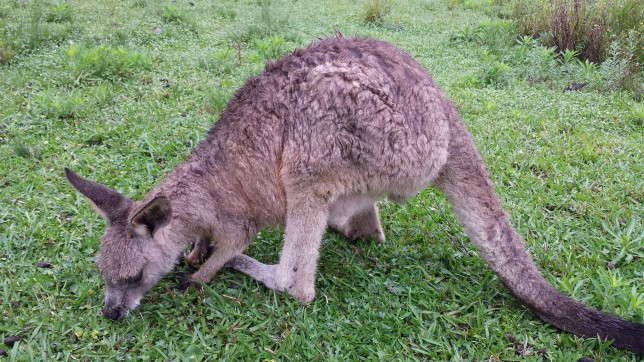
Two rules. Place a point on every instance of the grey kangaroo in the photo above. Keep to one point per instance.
(313, 142)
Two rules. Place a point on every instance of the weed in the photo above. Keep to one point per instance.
(101, 94)
(272, 47)
(37, 32)
(104, 62)
(468, 34)
(7, 52)
(587, 71)
(375, 11)
(532, 18)
(593, 46)
(497, 35)
(624, 16)
(465, 4)
(568, 56)
(24, 151)
(226, 12)
(60, 13)
(620, 69)
(269, 15)
(470, 81)
(96, 139)
(494, 71)
(523, 47)
(613, 68)
(220, 62)
(57, 105)
(217, 97)
(626, 241)
(565, 24)
(172, 14)
(141, 4)
(244, 33)
(636, 114)
(541, 63)
(568, 62)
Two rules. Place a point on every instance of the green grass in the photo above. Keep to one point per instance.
(120, 91)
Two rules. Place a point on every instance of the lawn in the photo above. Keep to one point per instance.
(121, 91)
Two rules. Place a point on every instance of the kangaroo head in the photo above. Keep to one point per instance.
(130, 259)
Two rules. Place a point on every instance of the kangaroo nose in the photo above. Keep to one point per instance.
(114, 314)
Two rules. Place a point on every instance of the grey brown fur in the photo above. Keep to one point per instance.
(314, 141)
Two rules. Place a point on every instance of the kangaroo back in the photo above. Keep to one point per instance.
(467, 185)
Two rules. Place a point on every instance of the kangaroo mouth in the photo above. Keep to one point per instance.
(114, 313)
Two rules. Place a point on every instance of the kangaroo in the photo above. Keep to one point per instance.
(313, 142)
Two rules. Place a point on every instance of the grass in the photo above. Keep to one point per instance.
(146, 81)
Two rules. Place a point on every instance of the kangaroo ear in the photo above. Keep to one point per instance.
(152, 216)
(105, 201)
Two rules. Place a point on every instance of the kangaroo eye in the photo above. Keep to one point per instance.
(132, 280)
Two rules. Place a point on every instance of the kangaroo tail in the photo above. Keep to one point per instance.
(467, 185)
